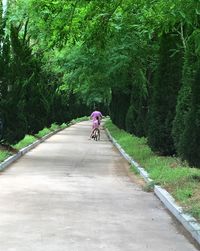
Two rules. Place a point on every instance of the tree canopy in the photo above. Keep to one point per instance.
(136, 60)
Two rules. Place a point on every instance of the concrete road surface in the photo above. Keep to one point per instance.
(73, 194)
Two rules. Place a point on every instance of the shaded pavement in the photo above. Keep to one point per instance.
(73, 194)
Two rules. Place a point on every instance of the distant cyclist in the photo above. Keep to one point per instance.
(96, 117)
(95, 127)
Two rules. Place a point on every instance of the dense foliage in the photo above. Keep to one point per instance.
(136, 60)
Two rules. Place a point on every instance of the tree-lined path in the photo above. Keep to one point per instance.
(72, 194)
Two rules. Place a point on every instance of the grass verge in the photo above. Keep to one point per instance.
(27, 140)
(54, 127)
(43, 132)
(4, 155)
(182, 181)
(77, 120)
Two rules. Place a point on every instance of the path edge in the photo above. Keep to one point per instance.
(188, 221)
(7, 162)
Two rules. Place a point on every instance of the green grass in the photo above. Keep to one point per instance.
(43, 132)
(54, 127)
(4, 155)
(182, 181)
(27, 140)
(149, 186)
(77, 120)
(64, 125)
(134, 170)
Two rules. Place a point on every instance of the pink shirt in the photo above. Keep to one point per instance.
(95, 124)
(96, 114)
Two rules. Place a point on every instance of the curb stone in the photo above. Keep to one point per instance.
(189, 222)
(24, 150)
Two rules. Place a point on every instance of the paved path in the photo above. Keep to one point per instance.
(72, 194)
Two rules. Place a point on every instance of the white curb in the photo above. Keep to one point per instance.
(24, 150)
(189, 222)
(10, 160)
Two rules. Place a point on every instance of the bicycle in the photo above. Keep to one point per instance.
(96, 134)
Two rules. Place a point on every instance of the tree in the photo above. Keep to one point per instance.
(165, 90)
(189, 146)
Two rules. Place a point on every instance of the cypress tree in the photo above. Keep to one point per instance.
(132, 112)
(119, 106)
(164, 95)
(1, 41)
(190, 142)
(1, 22)
(136, 114)
(184, 97)
(130, 119)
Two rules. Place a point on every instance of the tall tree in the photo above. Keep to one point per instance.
(189, 146)
(165, 90)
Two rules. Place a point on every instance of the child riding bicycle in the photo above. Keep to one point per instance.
(96, 114)
(95, 126)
